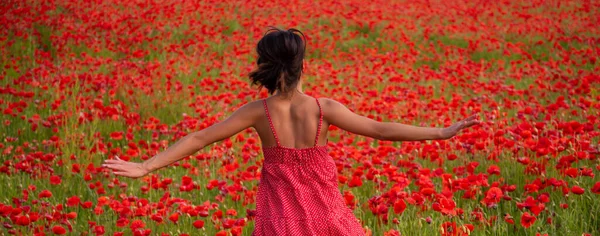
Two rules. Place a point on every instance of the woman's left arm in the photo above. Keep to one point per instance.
(241, 119)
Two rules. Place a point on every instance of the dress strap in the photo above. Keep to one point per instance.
(320, 122)
(270, 122)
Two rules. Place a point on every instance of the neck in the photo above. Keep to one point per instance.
(291, 93)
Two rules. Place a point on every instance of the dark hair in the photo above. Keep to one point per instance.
(280, 57)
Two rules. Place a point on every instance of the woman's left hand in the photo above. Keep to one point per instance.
(453, 130)
(125, 168)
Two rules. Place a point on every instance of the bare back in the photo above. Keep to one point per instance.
(295, 122)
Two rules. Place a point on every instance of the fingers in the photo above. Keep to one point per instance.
(119, 171)
(119, 167)
(114, 166)
(122, 173)
(471, 123)
(112, 162)
(472, 117)
(115, 161)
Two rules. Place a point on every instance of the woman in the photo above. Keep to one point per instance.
(298, 192)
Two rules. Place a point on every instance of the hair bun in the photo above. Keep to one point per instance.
(280, 60)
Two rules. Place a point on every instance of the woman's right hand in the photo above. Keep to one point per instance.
(452, 130)
(126, 168)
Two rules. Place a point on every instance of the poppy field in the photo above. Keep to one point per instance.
(85, 81)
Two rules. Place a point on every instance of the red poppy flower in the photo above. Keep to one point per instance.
(493, 170)
(596, 188)
(527, 220)
(71, 215)
(572, 172)
(157, 218)
(45, 194)
(221, 233)
(73, 201)
(55, 180)
(355, 182)
(448, 229)
(122, 222)
(466, 230)
(174, 217)
(117, 135)
(198, 224)
(399, 206)
(23, 220)
(57, 229)
(137, 224)
(447, 206)
(509, 219)
(99, 230)
(577, 190)
(492, 196)
(87, 204)
(349, 198)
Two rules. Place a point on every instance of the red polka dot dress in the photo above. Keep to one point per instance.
(298, 192)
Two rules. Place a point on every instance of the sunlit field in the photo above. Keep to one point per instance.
(83, 81)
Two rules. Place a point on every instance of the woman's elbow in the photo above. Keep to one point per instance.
(381, 133)
(198, 139)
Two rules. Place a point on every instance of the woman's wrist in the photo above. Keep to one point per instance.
(441, 133)
(146, 167)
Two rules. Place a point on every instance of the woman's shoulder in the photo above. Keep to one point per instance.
(253, 108)
(328, 102)
(252, 104)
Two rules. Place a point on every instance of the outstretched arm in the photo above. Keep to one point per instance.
(242, 118)
(340, 116)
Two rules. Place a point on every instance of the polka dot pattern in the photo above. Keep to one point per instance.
(298, 192)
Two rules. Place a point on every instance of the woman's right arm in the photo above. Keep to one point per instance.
(243, 118)
(339, 115)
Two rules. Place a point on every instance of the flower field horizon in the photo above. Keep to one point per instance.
(85, 81)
